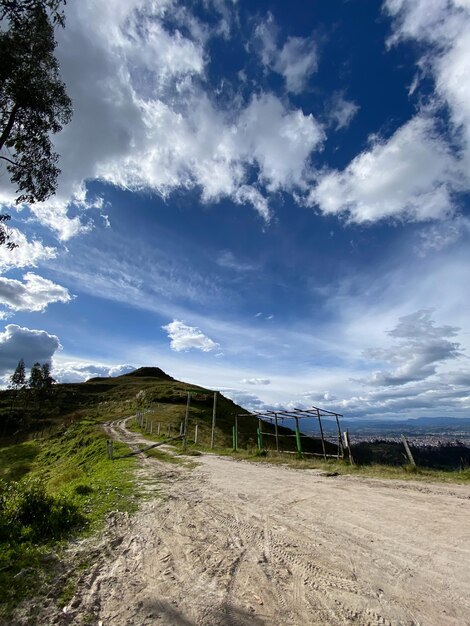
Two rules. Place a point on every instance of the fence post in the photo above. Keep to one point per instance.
(408, 451)
(185, 424)
(276, 432)
(260, 436)
(348, 446)
(340, 441)
(297, 437)
(321, 433)
(196, 428)
(109, 448)
(214, 410)
(158, 429)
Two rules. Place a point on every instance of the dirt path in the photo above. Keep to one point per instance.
(233, 543)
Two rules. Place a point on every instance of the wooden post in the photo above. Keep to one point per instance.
(348, 446)
(158, 429)
(185, 425)
(151, 427)
(181, 428)
(408, 451)
(297, 437)
(340, 441)
(321, 434)
(276, 432)
(196, 428)
(109, 449)
(214, 410)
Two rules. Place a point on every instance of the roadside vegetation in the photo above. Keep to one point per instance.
(53, 489)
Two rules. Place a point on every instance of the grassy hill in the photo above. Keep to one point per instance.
(164, 399)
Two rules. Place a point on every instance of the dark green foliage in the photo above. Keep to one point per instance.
(28, 513)
(36, 377)
(33, 100)
(443, 457)
(18, 378)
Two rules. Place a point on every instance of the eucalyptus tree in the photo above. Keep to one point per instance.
(33, 100)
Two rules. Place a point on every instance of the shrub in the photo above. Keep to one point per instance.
(29, 513)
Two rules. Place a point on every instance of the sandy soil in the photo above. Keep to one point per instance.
(233, 543)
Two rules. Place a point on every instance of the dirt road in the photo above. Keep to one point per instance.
(232, 543)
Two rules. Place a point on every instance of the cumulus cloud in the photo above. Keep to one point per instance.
(34, 294)
(145, 117)
(421, 347)
(411, 175)
(296, 60)
(77, 371)
(184, 337)
(17, 342)
(256, 381)
(27, 254)
(416, 173)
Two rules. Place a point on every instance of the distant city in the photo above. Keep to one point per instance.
(423, 431)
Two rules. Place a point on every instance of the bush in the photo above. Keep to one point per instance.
(29, 513)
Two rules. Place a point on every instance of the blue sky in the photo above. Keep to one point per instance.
(270, 199)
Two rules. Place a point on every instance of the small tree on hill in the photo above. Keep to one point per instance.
(18, 378)
(36, 377)
(47, 380)
(17, 381)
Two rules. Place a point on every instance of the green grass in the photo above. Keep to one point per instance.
(73, 468)
(405, 472)
(17, 460)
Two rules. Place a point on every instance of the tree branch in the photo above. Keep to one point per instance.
(9, 125)
(7, 159)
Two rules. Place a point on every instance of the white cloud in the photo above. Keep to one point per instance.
(34, 294)
(208, 148)
(409, 176)
(247, 194)
(73, 371)
(422, 347)
(17, 343)
(184, 337)
(438, 236)
(228, 260)
(342, 111)
(27, 254)
(296, 61)
(256, 381)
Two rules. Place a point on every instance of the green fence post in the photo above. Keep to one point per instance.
(297, 438)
